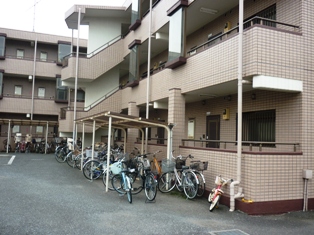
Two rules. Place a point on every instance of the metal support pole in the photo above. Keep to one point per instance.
(46, 137)
(76, 75)
(108, 153)
(148, 71)
(82, 150)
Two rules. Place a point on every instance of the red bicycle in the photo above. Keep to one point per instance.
(216, 193)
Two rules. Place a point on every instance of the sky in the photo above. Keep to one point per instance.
(49, 15)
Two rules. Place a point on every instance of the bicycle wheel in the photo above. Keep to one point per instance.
(201, 184)
(70, 159)
(77, 161)
(150, 187)
(92, 170)
(167, 182)
(117, 184)
(189, 184)
(59, 155)
(136, 181)
(104, 177)
(129, 194)
(214, 203)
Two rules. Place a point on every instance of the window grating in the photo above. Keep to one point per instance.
(259, 126)
(268, 13)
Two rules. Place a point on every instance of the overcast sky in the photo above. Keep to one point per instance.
(49, 15)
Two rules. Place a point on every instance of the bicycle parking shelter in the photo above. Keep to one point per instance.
(31, 123)
(122, 121)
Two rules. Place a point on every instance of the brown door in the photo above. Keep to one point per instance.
(213, 130)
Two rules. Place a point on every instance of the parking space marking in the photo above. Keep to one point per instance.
(229, 232)
(11, 160)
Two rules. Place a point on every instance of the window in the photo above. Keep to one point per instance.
(43, 56)
(61, 91)
(1, 83)
(2, 45)
(17, 90)
(64, 49)
(176, 34)
(39, 129)
(41, 92)
(133, 65)
(80, 95)
(259, 126)
(19, 53)
(268, 13)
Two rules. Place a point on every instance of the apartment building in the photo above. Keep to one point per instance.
(196, 55)
(32, 93)
(193, 60)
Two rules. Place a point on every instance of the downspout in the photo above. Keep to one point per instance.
(239, 146)
(148, 72)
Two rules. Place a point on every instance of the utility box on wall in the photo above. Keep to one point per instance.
(227, 26)
(226, 114)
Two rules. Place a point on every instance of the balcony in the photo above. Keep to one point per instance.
(25, 66)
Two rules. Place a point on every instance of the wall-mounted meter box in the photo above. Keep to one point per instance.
(307, 174)
(226, 114)
(227, 26)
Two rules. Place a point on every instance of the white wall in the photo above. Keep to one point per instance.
(101, 86)
(102, 31)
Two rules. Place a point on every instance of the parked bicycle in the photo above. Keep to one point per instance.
(176, 174)
(6, 146)
(198, 167)
(217, 192)
(122, 182)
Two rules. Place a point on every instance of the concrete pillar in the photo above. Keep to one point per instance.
(176, 115)
(133, 133)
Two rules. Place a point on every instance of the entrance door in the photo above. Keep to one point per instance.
(213, 130)
(161, 134)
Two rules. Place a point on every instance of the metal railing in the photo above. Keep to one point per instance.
(29, 58)
(65, 59)
(64, 110)
(253, 21)
(249, 145)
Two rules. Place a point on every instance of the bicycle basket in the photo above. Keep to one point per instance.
(199, 166)
(167, 165)
(116, 168)
(179, 163)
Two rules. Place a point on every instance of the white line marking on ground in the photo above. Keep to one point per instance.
(11, 160)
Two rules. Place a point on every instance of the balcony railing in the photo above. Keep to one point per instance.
(29, 59)
(85, 55)
(253, 21)
(251, 146)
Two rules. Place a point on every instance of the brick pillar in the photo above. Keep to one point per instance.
(133, 110)
(176, 115)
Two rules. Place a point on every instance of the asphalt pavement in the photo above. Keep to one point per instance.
(38, 196)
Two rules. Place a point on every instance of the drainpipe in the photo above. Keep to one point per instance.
(148, 71)
(239, 147)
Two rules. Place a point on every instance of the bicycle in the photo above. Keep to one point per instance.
(155, 165)
(122, 182)
(141, 177)
(176, 174)
(198, 167)
(7, 148)
(216, 193)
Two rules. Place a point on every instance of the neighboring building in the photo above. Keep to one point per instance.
(193, 82)
(21, 73)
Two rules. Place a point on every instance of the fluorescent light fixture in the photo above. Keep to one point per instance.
(209, 11)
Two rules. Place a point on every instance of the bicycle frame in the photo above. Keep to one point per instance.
(217, 192)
